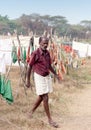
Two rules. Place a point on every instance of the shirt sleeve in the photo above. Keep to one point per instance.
(33, 59)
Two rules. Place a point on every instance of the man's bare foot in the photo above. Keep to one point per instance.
(29, 115)
(53, 124)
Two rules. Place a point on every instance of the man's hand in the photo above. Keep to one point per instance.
(58, 78)
(28, 84)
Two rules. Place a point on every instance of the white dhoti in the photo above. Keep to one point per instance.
(43, 84)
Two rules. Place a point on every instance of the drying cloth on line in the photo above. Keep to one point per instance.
(5, 89)
(2, 63)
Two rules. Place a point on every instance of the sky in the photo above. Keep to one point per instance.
(74, 11)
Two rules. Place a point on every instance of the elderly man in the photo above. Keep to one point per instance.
(40, 63)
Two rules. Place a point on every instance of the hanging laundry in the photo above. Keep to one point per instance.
(5, 89)
(2, 63)
(24, 54)
(14, 54)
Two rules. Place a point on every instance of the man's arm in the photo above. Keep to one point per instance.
(54, 72)
(29, 68)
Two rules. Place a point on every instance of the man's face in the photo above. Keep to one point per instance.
(44, 44)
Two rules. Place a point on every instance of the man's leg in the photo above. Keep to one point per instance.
(46, 107)
(37, 103)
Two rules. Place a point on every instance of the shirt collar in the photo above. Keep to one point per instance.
(41, 52)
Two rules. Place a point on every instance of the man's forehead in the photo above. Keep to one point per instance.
(45, 39)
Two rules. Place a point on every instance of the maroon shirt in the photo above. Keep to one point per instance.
(40, 61)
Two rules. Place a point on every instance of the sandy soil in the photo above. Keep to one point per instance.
(80, 111)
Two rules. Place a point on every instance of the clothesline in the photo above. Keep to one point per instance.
(5, 50)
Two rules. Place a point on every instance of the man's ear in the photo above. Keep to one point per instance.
(40, 43)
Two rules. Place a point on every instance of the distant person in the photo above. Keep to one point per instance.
(40, 63)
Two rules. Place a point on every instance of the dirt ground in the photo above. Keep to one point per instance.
(70, 105)
(80, 111)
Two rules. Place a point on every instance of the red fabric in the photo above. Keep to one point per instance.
(67, 48)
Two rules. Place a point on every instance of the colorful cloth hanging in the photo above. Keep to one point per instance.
(5, 89)
(14, 54)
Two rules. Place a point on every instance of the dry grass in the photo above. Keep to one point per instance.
(14, 116)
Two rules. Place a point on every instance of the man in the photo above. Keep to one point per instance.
(40, 63)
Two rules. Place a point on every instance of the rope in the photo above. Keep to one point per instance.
(6, 51)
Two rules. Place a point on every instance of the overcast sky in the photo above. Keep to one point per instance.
(74, 10)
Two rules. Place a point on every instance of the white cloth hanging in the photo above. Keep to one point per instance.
(6, 49)
(2, 63)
